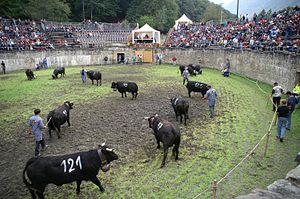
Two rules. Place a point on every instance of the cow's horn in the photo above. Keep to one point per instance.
(146, 118)
(108, 149)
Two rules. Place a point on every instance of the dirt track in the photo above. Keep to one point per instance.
(118, 121)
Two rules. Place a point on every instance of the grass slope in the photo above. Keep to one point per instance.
(209, 148)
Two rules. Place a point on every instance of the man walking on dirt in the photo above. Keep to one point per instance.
(211, 95)
(36, 125)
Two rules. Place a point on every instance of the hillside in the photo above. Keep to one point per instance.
(250, 7)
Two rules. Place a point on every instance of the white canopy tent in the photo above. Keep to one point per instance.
(146, 34)
(183, 19)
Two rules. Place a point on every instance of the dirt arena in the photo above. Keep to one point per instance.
(117, 121)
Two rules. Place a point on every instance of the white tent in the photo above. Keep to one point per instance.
(146, 34)
(182, 19)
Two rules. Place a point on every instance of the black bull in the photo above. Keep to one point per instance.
(58, 117)
(29, 74)
(124, 87)
(57, 71)
(193, 69)
(181, 107)
(64, 169)
(193, 86)
(94, 75)
(167, 133)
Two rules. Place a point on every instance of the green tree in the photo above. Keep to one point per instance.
(211, 13)
(269, 14)
(12, 8)
(262, 14)
(53, 10)
(165, 12)
(76, 7)
(214, 12)
(150, 20)
(102, 10)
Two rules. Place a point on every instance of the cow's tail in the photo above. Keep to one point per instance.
(28, 185)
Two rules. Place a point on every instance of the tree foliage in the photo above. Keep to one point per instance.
(160, 14)
(214, 12)
(262, 14)
(12, 8)
(54, 10)
(147, 20)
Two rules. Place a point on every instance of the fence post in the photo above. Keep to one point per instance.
(214, 189)
(267, 143)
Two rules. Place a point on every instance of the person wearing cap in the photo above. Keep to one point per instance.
(36, 125)
(282, 112)
(291, 103)
(211, 95)
(276, 94)
(186, 75)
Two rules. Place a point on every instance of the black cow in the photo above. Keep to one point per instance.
(167, 133)
(29, 74)
(193, 86)
(64, 169)
(124, 87)
(190, 69)
(58, 117)
(58, 70)
(197, 69)
(181, 107)
(94, 75)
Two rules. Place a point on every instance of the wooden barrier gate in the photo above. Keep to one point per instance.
(147, 55)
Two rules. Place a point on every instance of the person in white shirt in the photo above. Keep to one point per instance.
(276, 94)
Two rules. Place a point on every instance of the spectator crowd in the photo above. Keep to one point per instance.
(280, 32)
(40, 35)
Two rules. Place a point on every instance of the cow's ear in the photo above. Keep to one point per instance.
(103, 144)
(156, 115)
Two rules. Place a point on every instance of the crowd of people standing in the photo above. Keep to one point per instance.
(280, 32)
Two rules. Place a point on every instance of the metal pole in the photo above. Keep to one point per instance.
(237, 9)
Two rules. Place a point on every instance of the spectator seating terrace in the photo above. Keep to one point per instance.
(281, 32)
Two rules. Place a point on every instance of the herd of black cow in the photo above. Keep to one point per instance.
(59, 170)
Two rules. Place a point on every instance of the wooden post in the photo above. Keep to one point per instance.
(214, 189)
(267, 143)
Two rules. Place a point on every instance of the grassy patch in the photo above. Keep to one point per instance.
(209, 148)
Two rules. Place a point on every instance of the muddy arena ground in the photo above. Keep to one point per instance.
(117, 121)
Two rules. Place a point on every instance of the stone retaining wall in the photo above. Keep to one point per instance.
(288, 188)
(264, 66)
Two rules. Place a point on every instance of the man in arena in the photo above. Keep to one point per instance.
(276, 94)
(211, 95)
